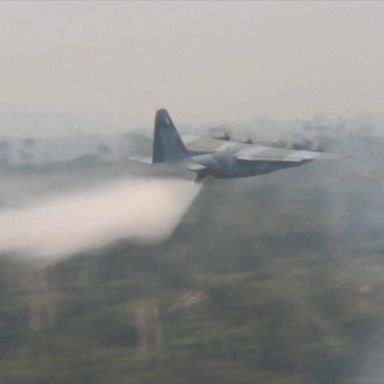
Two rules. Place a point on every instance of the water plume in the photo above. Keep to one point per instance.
(138, 210)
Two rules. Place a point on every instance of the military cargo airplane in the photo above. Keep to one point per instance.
(223, 159)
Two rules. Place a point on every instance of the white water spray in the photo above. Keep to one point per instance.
(139, 210)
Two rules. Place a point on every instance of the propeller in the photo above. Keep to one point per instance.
(221, 133)
(225, 137)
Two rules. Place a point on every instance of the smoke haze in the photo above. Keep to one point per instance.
(139, 210)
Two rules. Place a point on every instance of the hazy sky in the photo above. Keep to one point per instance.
(204, 61)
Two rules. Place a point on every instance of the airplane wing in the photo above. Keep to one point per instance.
(203, 144)
(264, 153)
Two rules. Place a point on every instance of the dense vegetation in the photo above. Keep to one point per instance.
(276, 279)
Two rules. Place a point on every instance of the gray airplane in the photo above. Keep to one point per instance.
(223, 159)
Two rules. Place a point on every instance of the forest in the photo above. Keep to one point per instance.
(277, 279)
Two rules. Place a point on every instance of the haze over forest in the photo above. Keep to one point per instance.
(277, 278)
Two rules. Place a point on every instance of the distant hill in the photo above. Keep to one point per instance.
(22, 124)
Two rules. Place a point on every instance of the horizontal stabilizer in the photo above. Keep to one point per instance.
(142, 160)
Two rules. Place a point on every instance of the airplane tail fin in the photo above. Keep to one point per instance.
(167, 143)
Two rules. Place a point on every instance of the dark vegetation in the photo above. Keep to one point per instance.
(276, 279)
